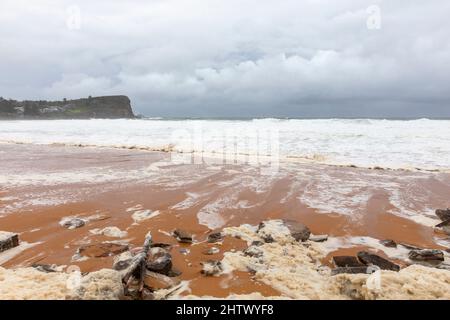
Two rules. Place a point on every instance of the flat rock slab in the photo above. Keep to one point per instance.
(347, 261)
(104, 249)
(373, 259)
(298, 231)
(443, 214)
(426, 255)
(8, 240)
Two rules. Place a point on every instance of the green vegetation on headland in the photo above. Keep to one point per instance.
(108, 107)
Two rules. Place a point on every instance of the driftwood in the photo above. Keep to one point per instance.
(139, 261)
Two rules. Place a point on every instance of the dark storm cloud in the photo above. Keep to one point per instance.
(232, 58)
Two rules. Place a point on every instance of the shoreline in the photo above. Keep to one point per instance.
(110, 183)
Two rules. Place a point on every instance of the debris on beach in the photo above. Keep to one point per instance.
(444, 226)
(215, 237)
(159, 260)
(182, 236)
(72, 223)
(211, 268)
(373, 259)
(347, 261)
(8, 240)
(389, 243)
(443, 214)
(211, 251)
(429, 255)
(103, 249)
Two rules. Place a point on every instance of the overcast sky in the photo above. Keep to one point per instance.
(233, 57)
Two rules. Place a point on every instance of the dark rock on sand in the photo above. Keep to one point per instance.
(182, 236)
(373, 259)
(347, 261)
(8, 240)
(426, 255)
(299, 231)
(351, 270)
(443, 214)
(159, 260)
(389, 243)
(215, 237)
(104, 249)
(211, 267)
(409, 246)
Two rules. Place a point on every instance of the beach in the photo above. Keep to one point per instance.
(123, 192)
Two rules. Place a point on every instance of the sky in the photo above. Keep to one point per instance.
(233, 58)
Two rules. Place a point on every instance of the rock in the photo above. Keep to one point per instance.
(211, 251)
(211, 267)
(299, 231)
(351, 270)
(182, 236)
(72, 223)
(104, 249)
(389, 243)
(159, 260)
(8, 240)
(373, 259)
(157, 281)
(347, 261)
(445, 226)
(409, 246)
(215, 237)
(443, 214)
(47, 268)
(426, 255)
(257, 243)
(318, 238)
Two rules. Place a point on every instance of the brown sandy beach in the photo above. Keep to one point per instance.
(137, 192)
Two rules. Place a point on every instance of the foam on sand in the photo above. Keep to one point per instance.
(294, 269)
(29, 283)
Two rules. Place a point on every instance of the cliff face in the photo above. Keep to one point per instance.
(109, 107)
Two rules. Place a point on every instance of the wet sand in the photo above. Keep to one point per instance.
(40, 185)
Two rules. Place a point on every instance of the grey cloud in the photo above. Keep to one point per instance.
(233, 58)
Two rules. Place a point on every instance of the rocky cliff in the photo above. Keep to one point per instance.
(109, 107)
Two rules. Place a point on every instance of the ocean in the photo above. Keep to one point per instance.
(408, 144)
